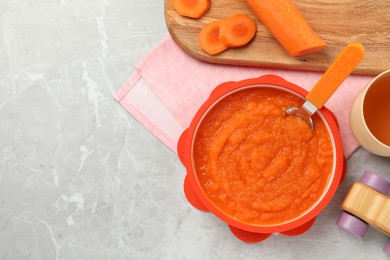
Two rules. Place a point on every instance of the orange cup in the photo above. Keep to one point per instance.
(246, 231)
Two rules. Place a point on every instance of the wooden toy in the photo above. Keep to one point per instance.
(367, 204)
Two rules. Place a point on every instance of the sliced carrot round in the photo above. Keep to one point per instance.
(237, 30)
(191, 8)
(209, 40)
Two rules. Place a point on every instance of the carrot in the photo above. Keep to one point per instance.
(209, 39)
(191, 8)
(234, 31)
(237, 30)
(288, 26)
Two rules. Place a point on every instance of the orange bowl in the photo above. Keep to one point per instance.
(245, 231)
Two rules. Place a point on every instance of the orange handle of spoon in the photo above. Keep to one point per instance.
(340, 69)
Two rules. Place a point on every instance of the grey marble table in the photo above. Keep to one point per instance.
(81, 179)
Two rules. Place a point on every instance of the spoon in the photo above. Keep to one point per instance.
(340, 69)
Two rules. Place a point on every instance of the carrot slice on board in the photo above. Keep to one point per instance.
(237, 30)
(191, 8)
(209, 40)
(288, 26)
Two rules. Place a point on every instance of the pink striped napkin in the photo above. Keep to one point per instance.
(168, 87)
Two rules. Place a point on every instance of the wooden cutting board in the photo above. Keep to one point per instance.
(337, 22)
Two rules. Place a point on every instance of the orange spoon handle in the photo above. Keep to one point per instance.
(340, 69)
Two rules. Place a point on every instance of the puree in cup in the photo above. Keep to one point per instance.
(258, 165)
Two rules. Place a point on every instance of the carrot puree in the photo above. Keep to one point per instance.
(258, 165)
